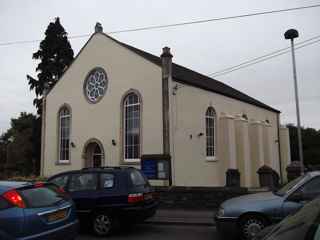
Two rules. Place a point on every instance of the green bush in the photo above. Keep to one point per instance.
(27, 179)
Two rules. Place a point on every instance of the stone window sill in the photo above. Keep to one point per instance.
(63, 162)
(211, 159)
(131, 162)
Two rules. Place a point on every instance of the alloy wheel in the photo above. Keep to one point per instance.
(251, 227)
(102, 224)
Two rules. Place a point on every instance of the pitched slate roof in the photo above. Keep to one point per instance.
(190, 77)
(187, 76)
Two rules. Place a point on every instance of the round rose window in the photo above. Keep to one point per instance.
(95, 85)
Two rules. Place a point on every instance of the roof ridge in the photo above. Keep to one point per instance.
(184, 75)
(200, 78)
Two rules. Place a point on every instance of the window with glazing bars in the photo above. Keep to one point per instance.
(131, 127)
(210, 132)
(64, 134)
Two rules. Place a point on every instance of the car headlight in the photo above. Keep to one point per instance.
(220, 212)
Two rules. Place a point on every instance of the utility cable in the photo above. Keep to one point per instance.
(263, 56)
(262, 60)
(176, 24)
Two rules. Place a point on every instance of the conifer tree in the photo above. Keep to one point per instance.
(55, 55)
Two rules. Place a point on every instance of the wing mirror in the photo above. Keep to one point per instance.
(296, 197)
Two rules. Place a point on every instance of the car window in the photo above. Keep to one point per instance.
(302, 225)
(282, 191)
(137, 178)
(61, 181)
(317, 234)
(41, 196)
(83, 182)
(107, 180)
(312, 186)
(3, 203)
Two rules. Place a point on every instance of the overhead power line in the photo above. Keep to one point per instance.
(261, 59)
(177, 24)
(215, 19)
(38, 40)
(263, 56)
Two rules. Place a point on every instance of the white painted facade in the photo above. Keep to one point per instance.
(240, 144)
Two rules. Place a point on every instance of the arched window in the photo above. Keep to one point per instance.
(131, 127)
(97, 156)
(210, 133)
(64, 135)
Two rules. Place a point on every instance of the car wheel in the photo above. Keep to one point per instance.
(251, 225)
(102, 224)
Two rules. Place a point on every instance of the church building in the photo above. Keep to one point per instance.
(117, 105)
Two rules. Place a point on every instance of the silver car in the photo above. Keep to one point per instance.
(247, 215)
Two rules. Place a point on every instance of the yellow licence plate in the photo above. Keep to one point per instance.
(57, 215)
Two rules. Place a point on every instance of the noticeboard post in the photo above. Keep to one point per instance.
(156, 166)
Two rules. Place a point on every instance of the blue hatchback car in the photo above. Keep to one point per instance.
(35, 211)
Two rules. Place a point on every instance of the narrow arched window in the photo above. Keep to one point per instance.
(64, 135)
(131, 123)
(210, 133)
(97, 156)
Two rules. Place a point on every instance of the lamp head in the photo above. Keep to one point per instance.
(291, 34)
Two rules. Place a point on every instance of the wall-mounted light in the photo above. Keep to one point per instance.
(113, 142)
(175, 89)
(72, 144)
(200, 134)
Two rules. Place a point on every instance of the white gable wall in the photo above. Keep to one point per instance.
(189, 106)
(126, 70)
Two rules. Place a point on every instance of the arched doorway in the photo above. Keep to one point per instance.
(94, 154)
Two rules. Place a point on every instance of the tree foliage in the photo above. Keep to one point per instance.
(20, 146)
(310, 144)
(55, 55)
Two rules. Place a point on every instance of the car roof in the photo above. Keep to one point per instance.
(97, 169)
(314, 173)
(7, 185)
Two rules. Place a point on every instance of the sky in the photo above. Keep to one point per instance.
(206, 48)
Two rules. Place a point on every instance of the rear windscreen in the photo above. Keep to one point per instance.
(3, 203)
(41, 196)
(137, 178)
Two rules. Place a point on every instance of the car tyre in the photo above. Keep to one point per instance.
(102, 224)
(251, 225)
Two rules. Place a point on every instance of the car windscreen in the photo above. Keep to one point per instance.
(43, 196)
(303, 225)
(282, 191)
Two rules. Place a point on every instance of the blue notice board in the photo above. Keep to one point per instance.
(149, 168)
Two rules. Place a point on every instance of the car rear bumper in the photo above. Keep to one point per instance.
(139, 213)
(227, 227)
(66, 232)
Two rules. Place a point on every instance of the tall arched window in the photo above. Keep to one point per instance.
(210, 133)
(131, 124)
(64, 134)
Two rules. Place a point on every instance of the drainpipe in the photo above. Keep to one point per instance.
(43, 127)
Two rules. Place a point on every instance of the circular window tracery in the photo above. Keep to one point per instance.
(95, 85)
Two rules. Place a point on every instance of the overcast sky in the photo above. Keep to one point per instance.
(206, 48)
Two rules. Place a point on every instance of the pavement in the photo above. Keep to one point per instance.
(183, 217)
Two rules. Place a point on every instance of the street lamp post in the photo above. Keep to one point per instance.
(292, 34)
